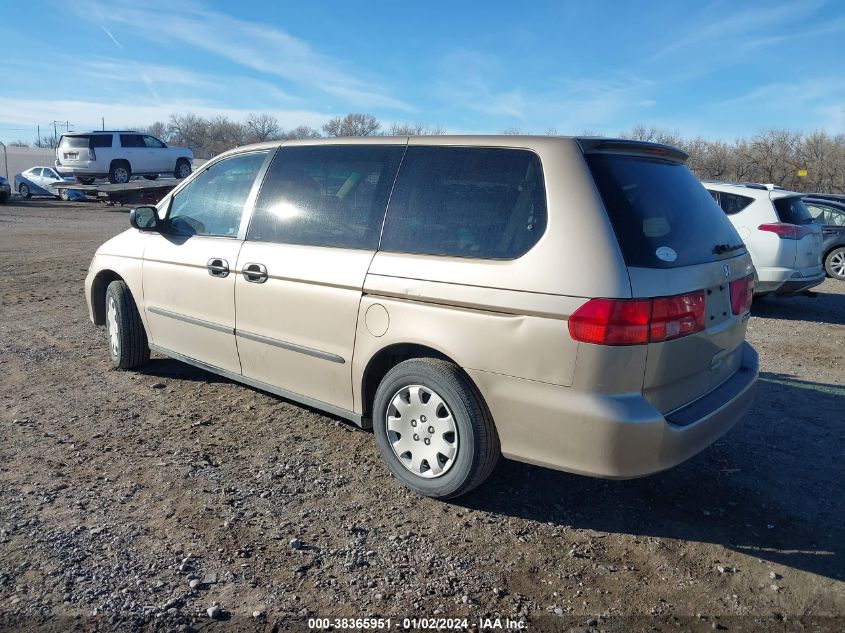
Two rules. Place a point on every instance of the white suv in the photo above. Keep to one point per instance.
(119, 155)
(784, 242)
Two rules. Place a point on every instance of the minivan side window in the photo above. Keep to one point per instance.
(213, 202)
(479, 202)
(330, 195)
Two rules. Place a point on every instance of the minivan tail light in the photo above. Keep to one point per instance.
(787, 231)
(638, 321)
(742, 293)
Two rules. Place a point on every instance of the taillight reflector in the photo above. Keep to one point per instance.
(638, 321)
(742, 293)
(786, 231)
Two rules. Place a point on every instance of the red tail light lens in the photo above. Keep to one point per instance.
(787, 231)
(611, 322)
(742, 293)
(674, 317)
(638, 321)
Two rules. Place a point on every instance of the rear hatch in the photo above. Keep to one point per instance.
(791, 210)
(684, 259)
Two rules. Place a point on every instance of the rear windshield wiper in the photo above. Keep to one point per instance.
(721, 249)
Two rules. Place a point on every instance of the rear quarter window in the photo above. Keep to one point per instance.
(732, 203)
(662, 215)
(487, 203)
(792, 210)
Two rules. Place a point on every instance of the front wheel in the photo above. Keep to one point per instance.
(834, 263)
(433, 429)
(64, 195)
(24, 191)
(128, 346)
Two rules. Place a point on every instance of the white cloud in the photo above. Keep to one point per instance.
(87, 114)
(256, 46)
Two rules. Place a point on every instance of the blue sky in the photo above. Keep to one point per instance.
(718, 69)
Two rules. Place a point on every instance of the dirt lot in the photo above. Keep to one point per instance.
(118, 488)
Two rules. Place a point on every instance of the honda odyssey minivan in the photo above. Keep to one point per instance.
(577, 303)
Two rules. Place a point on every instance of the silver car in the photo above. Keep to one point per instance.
(42, 181)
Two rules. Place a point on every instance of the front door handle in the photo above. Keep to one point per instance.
(217, 267)
(255, 273)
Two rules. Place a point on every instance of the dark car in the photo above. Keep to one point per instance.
(830, 197)
(831, 215)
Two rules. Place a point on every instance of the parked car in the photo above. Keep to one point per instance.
(784, 242)
(833, 197)
(119, 155)
(42, 181)
(5, 190)
(831, 216)
(571, 302)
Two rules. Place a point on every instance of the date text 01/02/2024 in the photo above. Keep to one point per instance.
(416, 624)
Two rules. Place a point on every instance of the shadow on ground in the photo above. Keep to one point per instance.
(771, 488)
(821, 307)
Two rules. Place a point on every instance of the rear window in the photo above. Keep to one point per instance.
(662, 216)
(792, 210)
(466, 202)
(82, 141)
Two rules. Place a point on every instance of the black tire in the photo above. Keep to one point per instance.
(183, 168)
(132, 348)
(23, 189)
(86, 181)
(120, 172)
(63, 195)
(151, 176)
(478, 443)
(4, 198)
(833, 263)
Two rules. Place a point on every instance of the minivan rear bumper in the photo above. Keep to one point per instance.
(610, 436)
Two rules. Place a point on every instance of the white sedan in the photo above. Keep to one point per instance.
(42, 181)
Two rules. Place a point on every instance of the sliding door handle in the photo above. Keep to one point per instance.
(255, 273)
(217, 267)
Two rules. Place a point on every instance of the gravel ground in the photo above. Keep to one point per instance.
(173, 499)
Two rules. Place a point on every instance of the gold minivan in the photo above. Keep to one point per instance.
(578, 303)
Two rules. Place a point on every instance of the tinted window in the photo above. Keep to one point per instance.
(101, 140)
(153, 143)
(212, 204)
(792, 210)
(732, 203)
(326, 196)
(131, 140)
(824, 214)
(466, 202)
(658, 206)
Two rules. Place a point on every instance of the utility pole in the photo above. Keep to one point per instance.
(104, 123)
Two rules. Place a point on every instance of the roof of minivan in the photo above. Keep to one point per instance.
(587, 143)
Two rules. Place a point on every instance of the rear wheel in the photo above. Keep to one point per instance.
(433, 429)
(120, 173)
(128, 346)
(834, 263)
(183, 168)
(64, 195)
(24, 191)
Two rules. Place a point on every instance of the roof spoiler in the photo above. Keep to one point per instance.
(624, 146)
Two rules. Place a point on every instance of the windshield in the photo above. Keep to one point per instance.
(662, 216)
(792, 210)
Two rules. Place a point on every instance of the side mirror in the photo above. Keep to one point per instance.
(144, 218)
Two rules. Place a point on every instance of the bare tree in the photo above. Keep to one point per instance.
(354, 124)
(301, 131)
(414, 129)
(262, 127)
(19, 143)
(513, 131)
